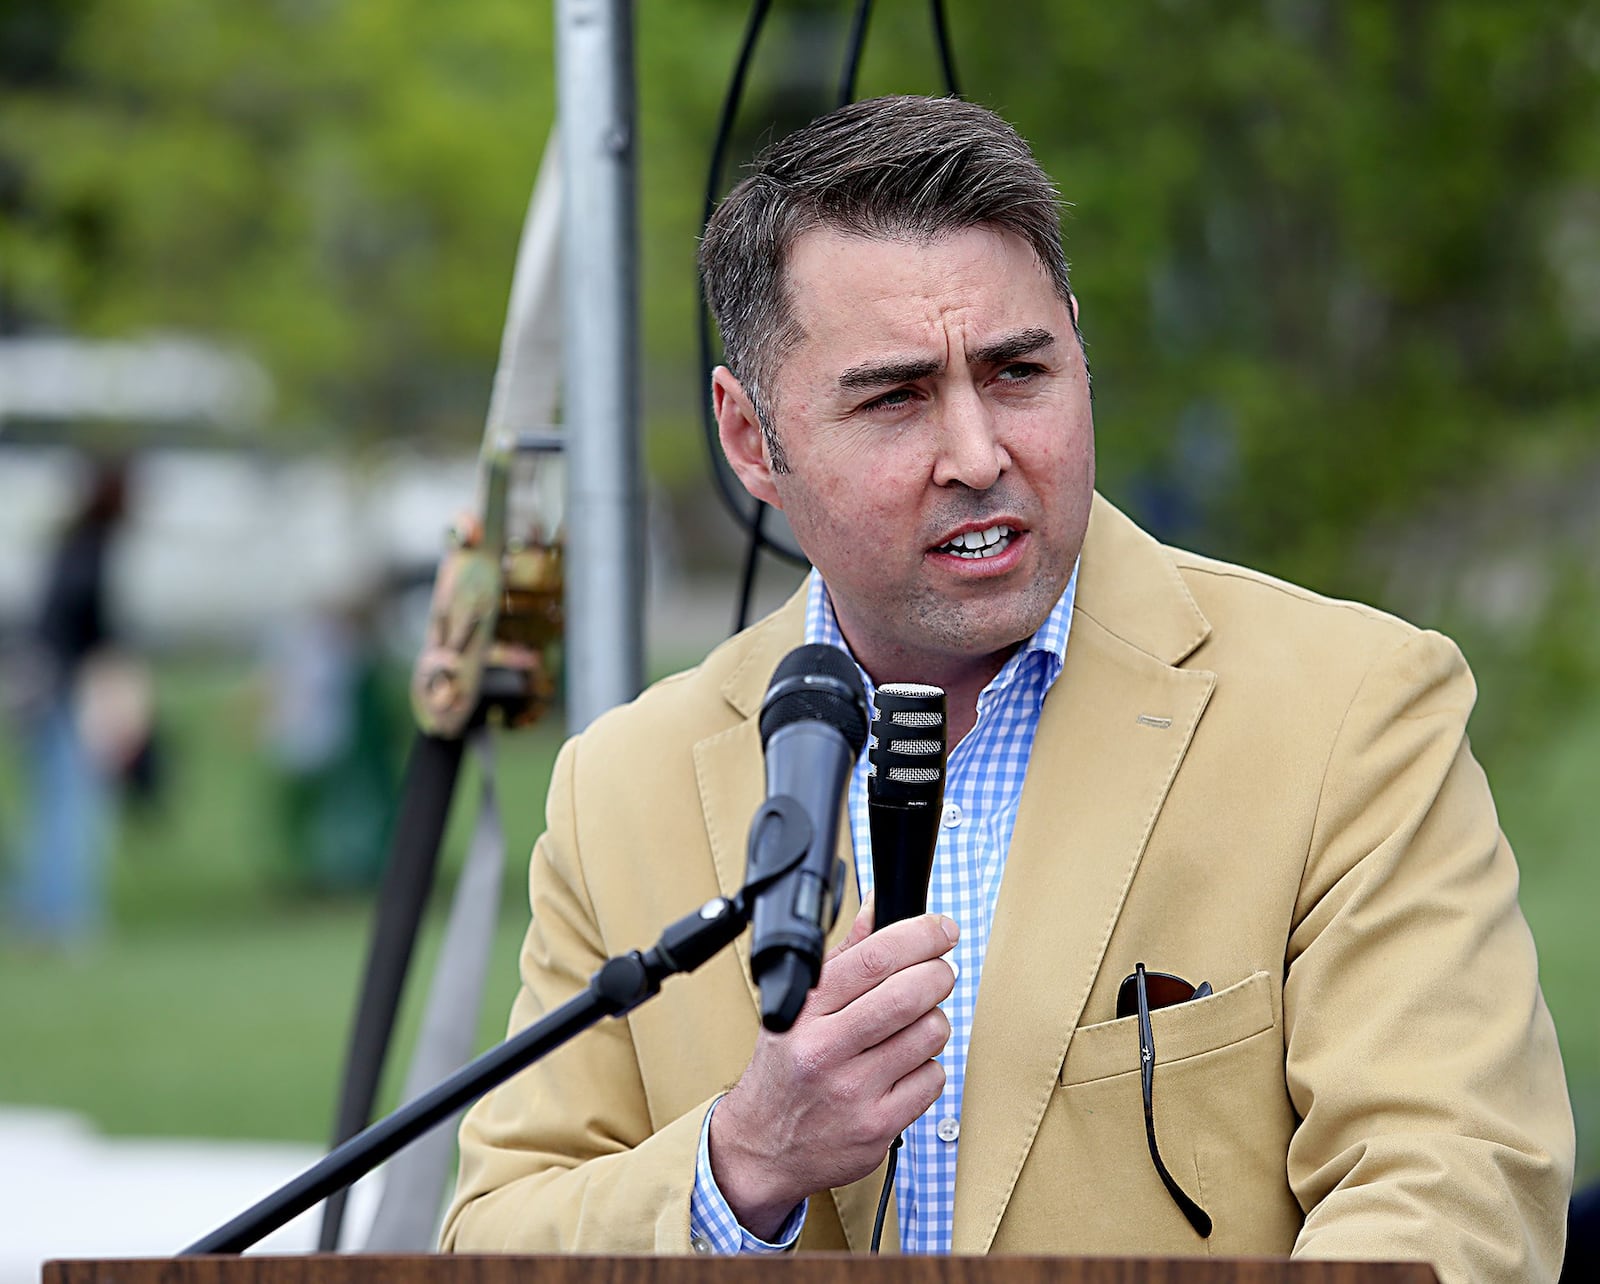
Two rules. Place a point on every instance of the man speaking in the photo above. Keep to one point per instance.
(1224, 954)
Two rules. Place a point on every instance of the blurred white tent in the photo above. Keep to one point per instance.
(164, 378)
(221, 542)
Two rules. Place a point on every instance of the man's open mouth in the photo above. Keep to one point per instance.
(979, 544)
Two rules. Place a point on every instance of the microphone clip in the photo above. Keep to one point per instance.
(780, 835)
(789, 963)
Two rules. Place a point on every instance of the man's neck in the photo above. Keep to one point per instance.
(962, 679)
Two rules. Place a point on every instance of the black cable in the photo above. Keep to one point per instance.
(425, 798)
(730, 104)
(883, 1195)
(941, 40)
(753, 520)
(747, 580)
(852, 52)
(734, 501)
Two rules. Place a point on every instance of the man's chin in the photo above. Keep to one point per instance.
(979, 629)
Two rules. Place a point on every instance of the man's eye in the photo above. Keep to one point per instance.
(1019, 370)
(889, 400)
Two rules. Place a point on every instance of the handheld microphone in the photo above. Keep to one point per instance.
(905, 790)
(813, 725)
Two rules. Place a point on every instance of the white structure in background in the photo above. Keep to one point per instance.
(218, 540)
(221, 543)
(68, 1191)
(165, 378)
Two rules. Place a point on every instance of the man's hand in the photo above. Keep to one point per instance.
(818, 1106)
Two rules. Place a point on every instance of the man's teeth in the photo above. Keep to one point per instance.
(975, 544)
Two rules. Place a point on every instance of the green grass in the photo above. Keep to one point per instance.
(219, 1006)
(212, 1029)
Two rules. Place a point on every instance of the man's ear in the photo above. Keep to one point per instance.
(739, 430)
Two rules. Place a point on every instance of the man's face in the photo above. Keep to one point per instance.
(936, 421)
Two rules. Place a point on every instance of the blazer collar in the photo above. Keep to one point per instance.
(1130, 586)
(769, 641)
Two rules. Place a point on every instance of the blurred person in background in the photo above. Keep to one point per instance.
(84, 708)
(328, 731)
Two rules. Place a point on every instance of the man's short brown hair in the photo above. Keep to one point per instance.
(885, 167)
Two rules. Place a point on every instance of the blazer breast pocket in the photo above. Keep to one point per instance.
(1222, 1117)
(1182, 1031)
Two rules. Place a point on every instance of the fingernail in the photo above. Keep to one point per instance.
(951, 931)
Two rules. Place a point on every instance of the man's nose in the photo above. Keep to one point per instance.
(970, 450)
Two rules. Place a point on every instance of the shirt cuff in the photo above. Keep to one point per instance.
(713, 1227)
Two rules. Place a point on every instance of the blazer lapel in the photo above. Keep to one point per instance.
(1112, 734)
(728, 766)
(728, 769)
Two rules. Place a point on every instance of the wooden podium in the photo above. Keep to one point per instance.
(807, 1268)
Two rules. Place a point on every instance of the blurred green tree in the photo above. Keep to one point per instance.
(1337, 259)
(337, 187)
(1331, 265)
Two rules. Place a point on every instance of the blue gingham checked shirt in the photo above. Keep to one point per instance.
(982, 788)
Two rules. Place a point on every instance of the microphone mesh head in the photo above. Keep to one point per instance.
(916, 690)
(908, 744)
(913, 775)
(817, 684)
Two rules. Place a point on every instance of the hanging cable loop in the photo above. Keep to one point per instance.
(750, 513)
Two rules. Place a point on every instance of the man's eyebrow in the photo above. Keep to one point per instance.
(1024, 343)
(877, 374)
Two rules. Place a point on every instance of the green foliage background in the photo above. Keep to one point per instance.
(335, 187)
(1350, 250)
(1339, 261)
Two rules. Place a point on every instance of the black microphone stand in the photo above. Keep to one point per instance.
(780, 834)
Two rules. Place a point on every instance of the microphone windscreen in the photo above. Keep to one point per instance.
(908, 750)
(817, 683)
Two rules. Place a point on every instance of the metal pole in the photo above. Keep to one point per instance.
(600, 368)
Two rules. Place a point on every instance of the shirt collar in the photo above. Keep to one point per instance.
(1049, 642)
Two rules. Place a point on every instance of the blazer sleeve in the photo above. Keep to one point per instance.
(563, 1157)
(1420, 1055)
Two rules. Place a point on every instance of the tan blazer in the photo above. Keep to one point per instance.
(1233, 780)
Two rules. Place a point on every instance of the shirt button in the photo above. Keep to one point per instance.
(700, 1244)
(952, 815)
(949, 1128)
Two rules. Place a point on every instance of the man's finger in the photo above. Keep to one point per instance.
(915, 1094)
(867, 963)
(860, 929)
(888, 1009)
